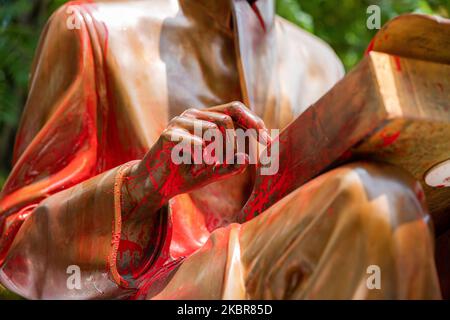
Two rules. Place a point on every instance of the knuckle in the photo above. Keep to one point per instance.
(190, 111)
(237, 105)
(226, 119)
(166, 134)
(211, 125)
(174, 120)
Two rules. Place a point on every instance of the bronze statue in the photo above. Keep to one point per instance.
(94, 186)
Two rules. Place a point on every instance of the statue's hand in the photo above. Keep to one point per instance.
(172, 168)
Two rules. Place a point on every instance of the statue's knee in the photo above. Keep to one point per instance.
(355, 191)
(384, 188)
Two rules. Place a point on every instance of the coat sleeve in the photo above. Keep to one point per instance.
(59, 225)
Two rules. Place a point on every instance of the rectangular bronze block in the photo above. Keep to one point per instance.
(415, 135)
(390, 109)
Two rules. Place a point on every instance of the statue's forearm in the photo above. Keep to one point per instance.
(138, 203)
(140, 195)
(89, 232)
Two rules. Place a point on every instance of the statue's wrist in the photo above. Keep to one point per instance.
(139, 190)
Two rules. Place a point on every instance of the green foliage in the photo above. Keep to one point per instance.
(5, 294)
(20, 26)
(340, 23)
(21, 22)
(2, 178)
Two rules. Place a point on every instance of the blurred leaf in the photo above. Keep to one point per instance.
(8, 295)
(2, 179)
(291, 10)
(343, 24)
(21, 22)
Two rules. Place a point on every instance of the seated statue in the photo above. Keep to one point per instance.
(93, 188)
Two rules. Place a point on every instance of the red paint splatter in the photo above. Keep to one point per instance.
(398, 64)
(347, 155)
(370, 47)
(419, 192)
(389, 139)
(330, 211)
(132, 247)
(258, 14)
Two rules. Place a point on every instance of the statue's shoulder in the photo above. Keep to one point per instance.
(417, 36)
(305, 62)
(311, 47)
(74, 15)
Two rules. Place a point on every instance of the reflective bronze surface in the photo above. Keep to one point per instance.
(105, 92)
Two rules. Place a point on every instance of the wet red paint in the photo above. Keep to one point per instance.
(129, 246)
(347, 155)
(258, 15)
(330, 211)
(370, 46)
(273, 187)
(92, 156)
(88, 151)
(134, 252)
(38, 174)
(389, 139)
(398, 64)
(421, 196)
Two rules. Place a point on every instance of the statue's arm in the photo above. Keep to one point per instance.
(58, 211)
(55, 210)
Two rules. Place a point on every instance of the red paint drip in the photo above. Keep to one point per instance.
(389, 139)
(370, 47)
(258, 15)
(398, 64)
(347, 155)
